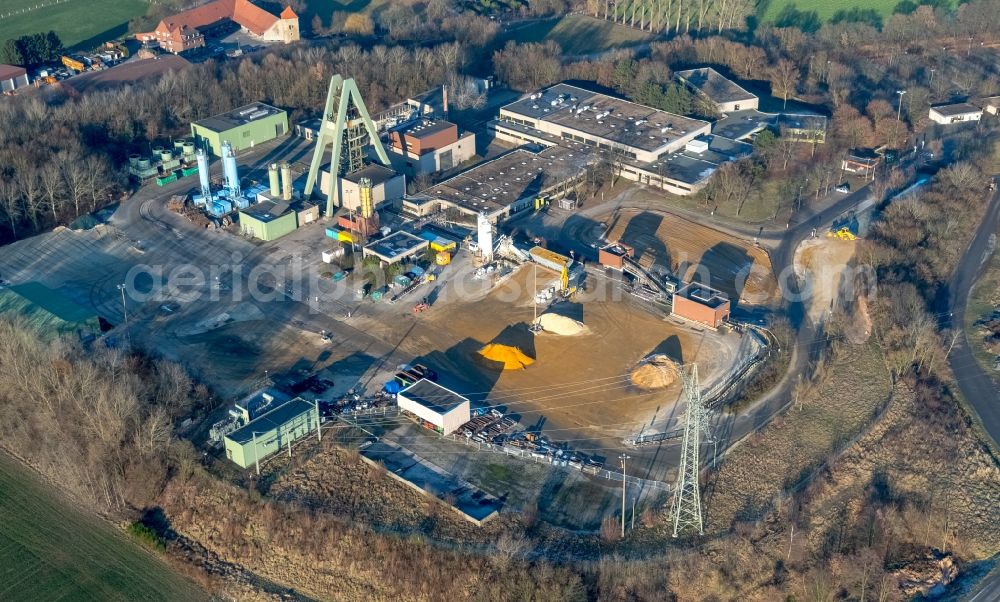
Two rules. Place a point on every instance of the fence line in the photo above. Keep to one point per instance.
(41, 5)
(517, 452)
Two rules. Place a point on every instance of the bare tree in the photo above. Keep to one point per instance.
(784, 79)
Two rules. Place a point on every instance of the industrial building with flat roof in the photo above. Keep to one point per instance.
(724, 94)
(271, 432)
(639, 132)
(684, 159)
(503, 186)
(955, 113)
(244, 127)
(387, 185)
(441, 407)
(268, 220)
(701, 303)
(396, 247)
(427, 146)
(801, 127)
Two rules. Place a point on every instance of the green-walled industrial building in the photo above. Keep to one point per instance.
(268, 220)
(272, 432)
(243, 128)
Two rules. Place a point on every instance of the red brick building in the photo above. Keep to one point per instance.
(614, 254)
(427, 146)
(700, 303)
(186, 30)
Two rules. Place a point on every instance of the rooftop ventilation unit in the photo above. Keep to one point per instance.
(696, 146)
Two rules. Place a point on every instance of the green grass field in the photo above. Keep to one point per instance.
(578, 34)
(828, 8)
(86, 23)
(51, 551)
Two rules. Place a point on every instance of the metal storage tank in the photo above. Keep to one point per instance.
(166, 155)
(187, 147)
(286, 180)
(179, 145)
(206, 188)
(143, 163)
(157, 150)
(133, 160)
(485, 238)
(273, 181)
(230, 170)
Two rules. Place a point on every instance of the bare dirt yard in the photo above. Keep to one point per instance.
(823, 262)
(578, 388)
(689, 249)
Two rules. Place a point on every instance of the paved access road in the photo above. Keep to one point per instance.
(980, 390)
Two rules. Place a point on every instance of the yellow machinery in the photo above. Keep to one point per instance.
(73, 63)
(564, 278)
(843, 233)
(443, 258)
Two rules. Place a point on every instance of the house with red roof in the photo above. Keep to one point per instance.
(186, 30)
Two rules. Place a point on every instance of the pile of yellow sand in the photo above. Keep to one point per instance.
(511, 358)
(655, 372)
(561, 325)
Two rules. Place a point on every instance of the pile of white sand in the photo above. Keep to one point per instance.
(561, 325)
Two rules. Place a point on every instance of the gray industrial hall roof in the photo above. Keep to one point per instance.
(422, 128)
(683, 167)
(714, 85)
(627, 123)
(397, 244)
(801, 121)
(266, 211)
(224, 122)
(433, 396)
(741, 124)
(702, 293)
(961, 108)
(497, 184)
(378, 174)
(272, 420)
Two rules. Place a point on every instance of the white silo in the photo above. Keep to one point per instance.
(286, 181)
(230, 170)
(203, 175)
(485, 238)
(272, 179)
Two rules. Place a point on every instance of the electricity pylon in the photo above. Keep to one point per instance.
(345, 124)
(687, 493)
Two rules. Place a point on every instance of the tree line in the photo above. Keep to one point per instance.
(32, 49)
